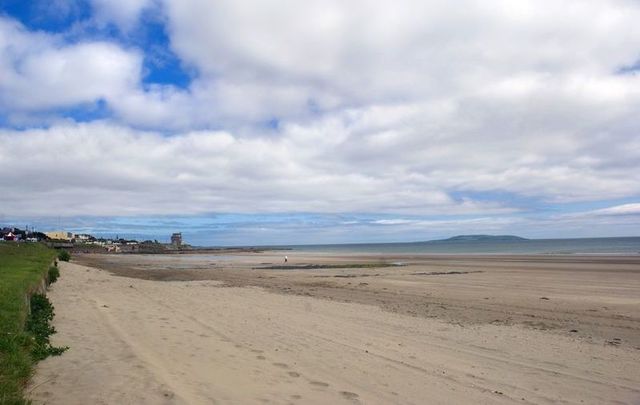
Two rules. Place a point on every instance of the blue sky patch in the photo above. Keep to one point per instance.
(161, 65)
(52, 16)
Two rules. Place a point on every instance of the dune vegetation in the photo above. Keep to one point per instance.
(22, 268)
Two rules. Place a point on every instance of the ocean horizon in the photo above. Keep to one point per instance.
(609, 245)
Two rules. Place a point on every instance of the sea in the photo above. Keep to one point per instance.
(588, 246)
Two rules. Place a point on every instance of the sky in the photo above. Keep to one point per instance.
(285, 122)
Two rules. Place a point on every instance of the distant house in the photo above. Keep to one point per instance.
(176, 239)
(10, 236)
(83, 237)
(59, 235)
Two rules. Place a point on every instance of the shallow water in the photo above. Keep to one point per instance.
(626, 245)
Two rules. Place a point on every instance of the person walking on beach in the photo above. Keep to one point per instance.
(286, 259)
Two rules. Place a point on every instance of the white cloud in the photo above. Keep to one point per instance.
(124, 14)
(358, 53)
(617, 210)
(524, 61)
(41, 72)
(464, 224)
(398, 107)
(104, 169)
(397, 221)
(109, 169)
(501, 68)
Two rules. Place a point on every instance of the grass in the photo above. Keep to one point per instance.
(22, 266)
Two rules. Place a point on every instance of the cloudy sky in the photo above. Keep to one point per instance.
(281, 121)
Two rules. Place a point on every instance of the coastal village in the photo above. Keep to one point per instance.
(83, 242)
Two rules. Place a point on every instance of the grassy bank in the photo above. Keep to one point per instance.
(22, 267)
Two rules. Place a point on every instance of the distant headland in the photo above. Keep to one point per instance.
(476, 238)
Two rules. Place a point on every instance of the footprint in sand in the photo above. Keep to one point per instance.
(168, 394)
(319, 383)
(281, 365)
(349, 395)
(293, 374)
(261, 358)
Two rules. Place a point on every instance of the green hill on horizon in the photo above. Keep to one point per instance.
(493, 238)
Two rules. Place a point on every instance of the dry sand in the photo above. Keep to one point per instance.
(219, 331)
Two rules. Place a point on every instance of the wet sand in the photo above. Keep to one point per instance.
(436, 329)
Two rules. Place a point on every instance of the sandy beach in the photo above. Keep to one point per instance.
(204, 329)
